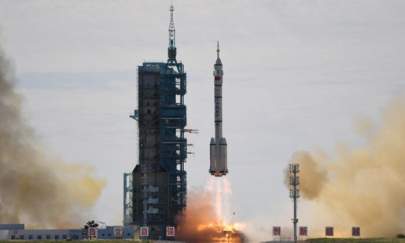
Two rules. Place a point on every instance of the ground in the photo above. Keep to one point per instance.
(74, 241)
(320, 240)
(341, 240)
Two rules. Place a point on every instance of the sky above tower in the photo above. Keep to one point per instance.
(298, 74)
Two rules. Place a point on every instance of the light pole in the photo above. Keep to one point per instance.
(294, 180)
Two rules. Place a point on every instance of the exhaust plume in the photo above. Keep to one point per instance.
(364, 185)
(36, 189)
(200, 223)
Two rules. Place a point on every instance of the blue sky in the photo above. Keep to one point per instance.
(298, 74)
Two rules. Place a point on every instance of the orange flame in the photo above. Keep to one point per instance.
(204, 220)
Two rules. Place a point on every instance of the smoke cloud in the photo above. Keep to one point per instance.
(362, 185)
(36, 189)
(313, 177)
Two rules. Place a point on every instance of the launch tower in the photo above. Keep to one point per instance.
(155, 192)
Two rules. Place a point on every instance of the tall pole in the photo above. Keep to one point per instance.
(294, 169)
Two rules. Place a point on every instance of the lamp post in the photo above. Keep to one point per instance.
(294, 180)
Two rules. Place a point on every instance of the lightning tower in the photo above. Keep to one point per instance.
(293, 170)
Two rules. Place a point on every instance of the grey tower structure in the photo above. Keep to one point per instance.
(156, 192)
(218, 154)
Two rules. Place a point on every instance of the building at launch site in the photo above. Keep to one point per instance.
(19, 232)
(155, 191)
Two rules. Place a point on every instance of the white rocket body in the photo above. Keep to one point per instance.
(218, 154)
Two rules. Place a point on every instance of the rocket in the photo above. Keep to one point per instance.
(218, 161)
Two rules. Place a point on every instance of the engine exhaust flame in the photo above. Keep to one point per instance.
(206, 219)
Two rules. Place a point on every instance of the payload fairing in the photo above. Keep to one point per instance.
(218, 154)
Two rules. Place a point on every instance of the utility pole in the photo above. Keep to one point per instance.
(294, 180)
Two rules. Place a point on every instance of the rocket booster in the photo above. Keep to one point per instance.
(218, 157)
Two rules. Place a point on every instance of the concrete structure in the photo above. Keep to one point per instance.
(8, 232)
(6, 228)
(218, 146)
(155, 193)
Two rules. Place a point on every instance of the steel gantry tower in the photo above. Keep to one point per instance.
(159, 185)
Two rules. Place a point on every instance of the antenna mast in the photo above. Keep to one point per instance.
(294, 169)
(172, 38)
